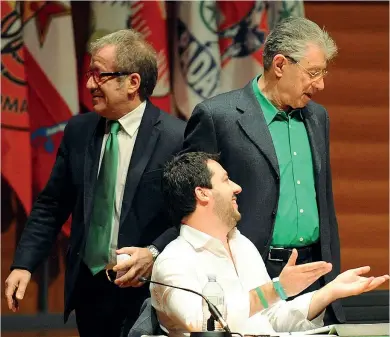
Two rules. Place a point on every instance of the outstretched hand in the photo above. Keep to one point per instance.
(351, 282)
(294, 279)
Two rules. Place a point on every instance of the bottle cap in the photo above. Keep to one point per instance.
(212, 278)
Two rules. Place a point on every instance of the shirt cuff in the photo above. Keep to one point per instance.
(302, 304)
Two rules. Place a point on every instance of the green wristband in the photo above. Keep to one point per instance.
(279, 289)
(261, 297)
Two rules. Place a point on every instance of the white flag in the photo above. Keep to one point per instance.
(219, 45)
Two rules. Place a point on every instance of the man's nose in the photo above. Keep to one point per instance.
(319, 84)
(236, 188)
(91, 84)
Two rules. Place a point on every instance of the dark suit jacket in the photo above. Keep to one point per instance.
(233, 125)
(71, 186)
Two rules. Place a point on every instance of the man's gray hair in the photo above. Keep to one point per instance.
(133, 55)
(291, 38)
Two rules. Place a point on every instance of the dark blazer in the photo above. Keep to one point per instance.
(233, 125)
(71, 186)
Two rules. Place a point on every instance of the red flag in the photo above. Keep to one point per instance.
(52, 82)
(15, 140)
(149, 18)
(146, 17)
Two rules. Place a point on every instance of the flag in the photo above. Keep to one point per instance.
(242, 30)
(197, 61)
(279, 10)
(219, 46)
(51, 71)
(15, 123)
(150, 19)
(146, 17)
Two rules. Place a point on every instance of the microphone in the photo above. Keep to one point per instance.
(212, 308)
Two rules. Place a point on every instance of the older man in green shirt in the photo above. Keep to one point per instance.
(274, 142)
(296, 222)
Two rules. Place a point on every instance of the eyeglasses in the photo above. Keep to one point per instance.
(314, 76)
(98, 76)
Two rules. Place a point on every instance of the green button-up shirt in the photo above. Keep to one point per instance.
(296, 222)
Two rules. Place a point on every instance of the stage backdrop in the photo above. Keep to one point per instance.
(356, 96)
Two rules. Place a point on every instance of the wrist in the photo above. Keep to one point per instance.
(154, 251)
(328, 293)
(269, 293)
(279, 288)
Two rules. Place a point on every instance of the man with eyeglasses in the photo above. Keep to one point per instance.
(274, 142)
(107, 175)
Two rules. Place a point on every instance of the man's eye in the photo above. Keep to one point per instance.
(315, 73)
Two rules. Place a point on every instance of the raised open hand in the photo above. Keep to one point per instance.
(352, 283)
(294, 279)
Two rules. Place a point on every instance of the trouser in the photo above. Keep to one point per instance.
(104, 309)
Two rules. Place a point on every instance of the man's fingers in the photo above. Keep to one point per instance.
(124, 265)
(21, 290)
(127, 278)
(376, 282)
(313, 266)
(361, 270)
(133, 284)
(363, 285)
(127, 250)
(10, 288)
(317, 273)
(293, 258)
(11, 302)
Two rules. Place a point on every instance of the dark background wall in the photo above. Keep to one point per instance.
(357, 98)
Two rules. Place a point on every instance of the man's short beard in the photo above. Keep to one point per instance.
(228, 215)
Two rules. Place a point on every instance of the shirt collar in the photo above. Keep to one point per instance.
(269, 110)
(132, 120)
(200, 240)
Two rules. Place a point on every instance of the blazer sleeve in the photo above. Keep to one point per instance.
(334, 232)
(200, 132)
(51, 209)
(166, 237)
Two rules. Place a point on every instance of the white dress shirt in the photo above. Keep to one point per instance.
(126, 139)
(187, 261)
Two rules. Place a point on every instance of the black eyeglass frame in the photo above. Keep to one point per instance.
(93, 73)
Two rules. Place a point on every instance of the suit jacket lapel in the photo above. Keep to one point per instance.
(316, 137)
(147, 136)
(253, 124)
(91, 166)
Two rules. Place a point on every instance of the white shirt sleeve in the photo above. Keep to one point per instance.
(182, 308)
(292, 315)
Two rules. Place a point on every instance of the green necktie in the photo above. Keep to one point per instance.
(97, 250)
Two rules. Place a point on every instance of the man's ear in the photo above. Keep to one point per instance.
(133, 82)
(278, 64)
(202, 194)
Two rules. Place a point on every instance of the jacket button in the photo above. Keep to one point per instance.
(273, 213)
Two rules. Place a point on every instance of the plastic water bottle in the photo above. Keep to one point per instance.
(214, 293)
